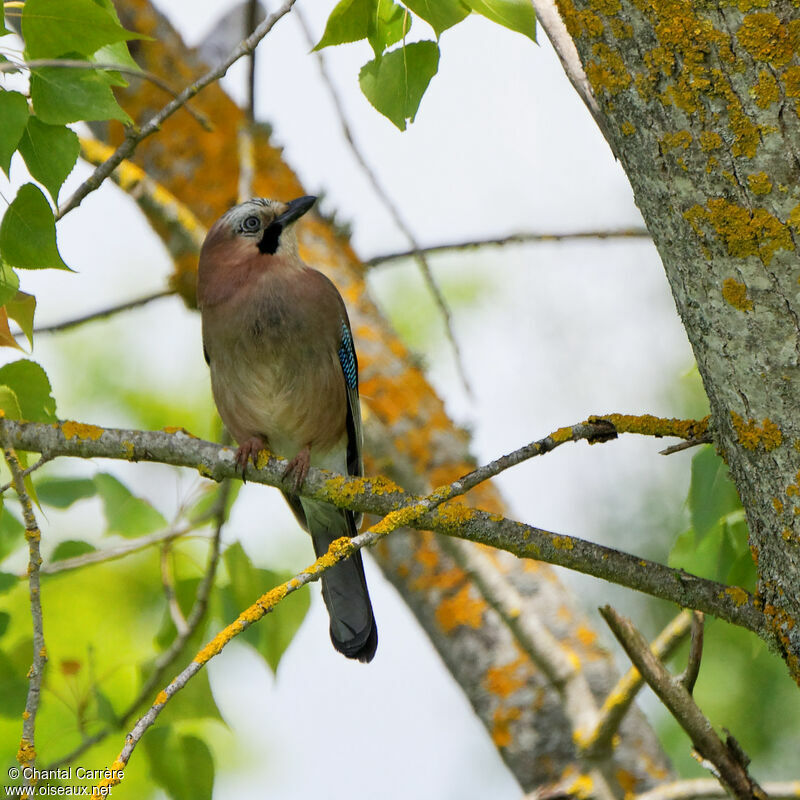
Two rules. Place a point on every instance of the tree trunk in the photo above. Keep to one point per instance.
(700, 102)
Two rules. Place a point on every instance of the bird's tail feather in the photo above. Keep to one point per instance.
(344, 586)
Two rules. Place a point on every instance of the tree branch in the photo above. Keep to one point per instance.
(621, 697)
(380, 496)
(709, 789)
(511, 239)
(26, 755)
(725, 756)
(134, 136)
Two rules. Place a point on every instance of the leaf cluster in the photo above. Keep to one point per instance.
(396, 79)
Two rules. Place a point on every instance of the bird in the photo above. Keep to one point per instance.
(284, 376)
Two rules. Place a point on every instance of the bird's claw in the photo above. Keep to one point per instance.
(297, 469)
(248, 451)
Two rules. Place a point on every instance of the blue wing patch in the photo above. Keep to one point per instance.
(347, 358)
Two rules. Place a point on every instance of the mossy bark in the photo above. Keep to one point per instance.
(700, 101)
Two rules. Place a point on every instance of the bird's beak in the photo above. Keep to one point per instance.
(295, 210)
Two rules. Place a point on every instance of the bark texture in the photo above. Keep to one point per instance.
(701, 103)
(411, 438)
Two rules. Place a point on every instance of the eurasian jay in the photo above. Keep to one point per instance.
(284, 375)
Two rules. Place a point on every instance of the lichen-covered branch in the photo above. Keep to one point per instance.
(26, 754)
(381, 496)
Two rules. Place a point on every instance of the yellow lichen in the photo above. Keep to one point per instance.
(627, 128)
(501, 725)
(735, 294)
(777, 505)
(460, 609)
(562, 542)
(759, 183)
(751, 435)
(80, 430)
(506, 679)
(766, 38)
(606, 71)
(161, 698)
(739, 596)
(677, 139)
(710, 140)
(743, 231)
(765, 90)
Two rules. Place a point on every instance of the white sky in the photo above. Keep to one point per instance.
(501, 144)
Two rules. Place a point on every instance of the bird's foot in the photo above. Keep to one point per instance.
(249, 451)
(297, 469)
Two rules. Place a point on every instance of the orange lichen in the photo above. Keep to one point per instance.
(79, 430)
(26, 753)
(501, 725)
(627, 781)
(739, 596)
(735, 294)
(506, 679)
(161, 698)
(461, 609)
(750, 435)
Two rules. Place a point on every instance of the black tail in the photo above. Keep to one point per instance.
(344, 586)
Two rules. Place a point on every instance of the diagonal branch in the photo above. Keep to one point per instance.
(135, 135)
(381, 496)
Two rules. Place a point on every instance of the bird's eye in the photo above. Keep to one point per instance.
(251, 224)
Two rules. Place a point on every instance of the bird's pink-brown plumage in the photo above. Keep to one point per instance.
(274, 331)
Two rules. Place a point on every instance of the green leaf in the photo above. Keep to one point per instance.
(273, 634)
(62, 95)
(348, 22)
(63, 492)
(3, 29)
(712, 494)
(50, 153)
(181, 765)
(7, 581)
(439, 14)
(9, 404)
(5, 618)
(13, 686)
(71, 548)
(28, 232)
(516, 15)
(125, 513)
(52, 28)
(9, 283)
(14, 114)
(388, 25)
(21, 309)
(32, 388)
(395, 83)
(12, 533)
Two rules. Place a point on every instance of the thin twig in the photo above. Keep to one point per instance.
(390, 206)
(102, 313)
(40, 463)
(247, 160)
(251, 18)
(689, 676)
(706, 438)
(71, 63)
(134, 136)
(27, 748)
(726, 760)
(511, 239)
(621, 697)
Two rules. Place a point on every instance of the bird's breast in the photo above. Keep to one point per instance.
(275, 371)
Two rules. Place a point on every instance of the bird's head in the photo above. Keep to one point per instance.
(265, 224)
(242, 237)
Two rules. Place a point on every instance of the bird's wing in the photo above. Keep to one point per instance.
(349, 362)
